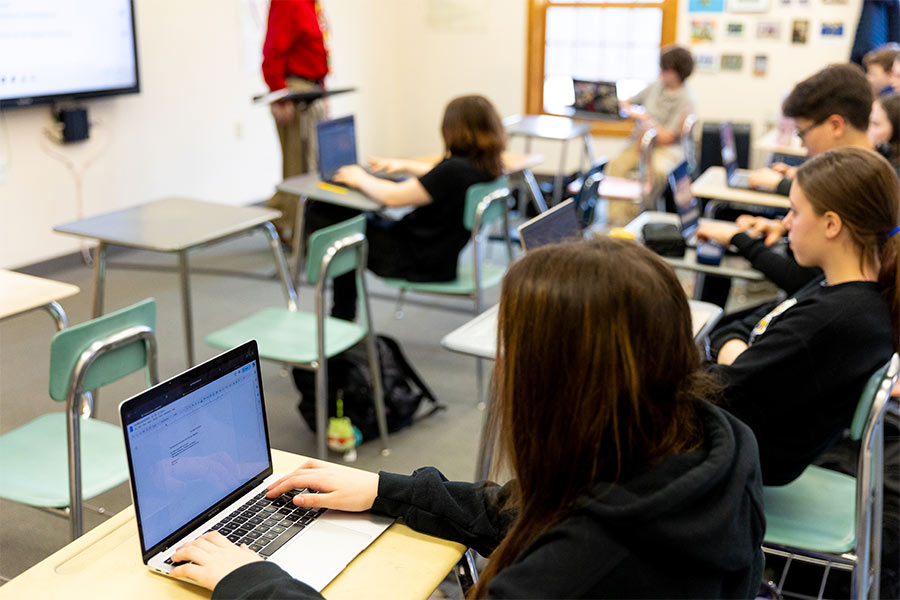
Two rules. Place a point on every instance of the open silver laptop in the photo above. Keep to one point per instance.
(199, 460)
(734, 176)
(559, 224)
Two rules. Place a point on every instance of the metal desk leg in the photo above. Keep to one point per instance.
(536, 195)
(558, 179)
(287, 283)
(297, 240)
(186, 307)
(99, 279)
(59, 315)
(589, 149)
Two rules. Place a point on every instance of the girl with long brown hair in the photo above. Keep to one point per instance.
(625, 482)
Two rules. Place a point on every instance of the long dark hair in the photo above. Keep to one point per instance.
(891, 106)
(597, 378)
(473, 129)
(862, 188)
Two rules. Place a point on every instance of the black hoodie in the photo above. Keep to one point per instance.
(689, 527)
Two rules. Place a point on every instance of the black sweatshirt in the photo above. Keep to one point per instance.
(688, 527)
(798, 384)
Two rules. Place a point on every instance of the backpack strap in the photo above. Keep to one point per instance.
(408, 370)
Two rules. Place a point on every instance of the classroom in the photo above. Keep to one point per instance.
(221, 213)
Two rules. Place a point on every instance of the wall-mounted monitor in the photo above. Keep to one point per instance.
(60, 50)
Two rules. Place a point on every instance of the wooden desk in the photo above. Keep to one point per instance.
(548, 127)
(711, 184)
(106, 563)
(175, 225)
(20, 293)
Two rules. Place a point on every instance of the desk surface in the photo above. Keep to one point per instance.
(311, 187)
(20, 293)
(545, 127)
(106, 563)
(711, 184)
(478, 337)
(169, 224)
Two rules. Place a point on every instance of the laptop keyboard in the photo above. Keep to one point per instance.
(265, 524)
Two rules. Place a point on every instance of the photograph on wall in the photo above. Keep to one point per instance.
(800, 31)
(832, 30)
(760, 65)
(768, 30)
(706, 6)
(703, 30)
(705, 63)
(785, 2)
(748, 5)
(802, 2)
(834, 1)
(732, 62)
(734, 30)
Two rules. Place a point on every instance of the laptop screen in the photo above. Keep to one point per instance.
(686, 205)
(729, 149)
(596, 96)
(336, 145)
(193, 440)
(555, 225)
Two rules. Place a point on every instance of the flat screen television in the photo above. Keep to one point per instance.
(60, 50)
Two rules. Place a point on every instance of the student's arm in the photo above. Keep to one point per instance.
(780, 269)
(400, 165)
(390, 193)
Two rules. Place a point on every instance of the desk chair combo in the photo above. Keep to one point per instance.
(831, 519)
(60, 458)
(652, 190)
(486, 203)
(307, 340)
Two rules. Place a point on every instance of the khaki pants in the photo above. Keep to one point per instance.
(298, 154)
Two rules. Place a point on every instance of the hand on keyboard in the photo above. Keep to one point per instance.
(211, 557)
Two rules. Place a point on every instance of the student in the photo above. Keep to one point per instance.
(878, 64)
(884, 127)
(627, 483)
(831, 110)
(663, 105)
(425, 244)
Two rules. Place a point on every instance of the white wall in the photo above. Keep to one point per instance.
(192, 130)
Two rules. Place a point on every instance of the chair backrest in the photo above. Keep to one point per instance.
(323, 239)
(878, 382)
(689, 141)
(586, 198)
(645, 165)
(475, 194)
(69, 344)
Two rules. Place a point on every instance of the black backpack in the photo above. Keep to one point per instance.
(348, 371)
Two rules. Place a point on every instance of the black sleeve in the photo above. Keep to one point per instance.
(468, 513)
(784, 186)
(780, 269)
(442, 178)
(262, 580)
(737, 329)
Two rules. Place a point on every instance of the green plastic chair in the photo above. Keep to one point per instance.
(60, 458)
(485, 204)
(832, 519)
(307, 340)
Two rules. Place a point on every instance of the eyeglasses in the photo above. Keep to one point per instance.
(801, 133)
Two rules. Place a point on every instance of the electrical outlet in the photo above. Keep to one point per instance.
(3, 169)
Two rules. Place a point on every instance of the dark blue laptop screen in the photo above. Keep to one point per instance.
(337, 145)
(189, 453)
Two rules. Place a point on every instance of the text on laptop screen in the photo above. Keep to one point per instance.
(729, 149)
(337, 145)
(686, 205)
(189, 453)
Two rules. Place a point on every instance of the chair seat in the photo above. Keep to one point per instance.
(463, 285)
(287, 336)
(34, 463)
(817, 511)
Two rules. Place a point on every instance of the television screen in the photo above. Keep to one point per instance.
(55, 50)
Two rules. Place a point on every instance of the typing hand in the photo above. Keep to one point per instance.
(388, 165)
(351, 175)
(339, 487)
(771, 230)
(765, 179)
(721, 233)
(211, 557)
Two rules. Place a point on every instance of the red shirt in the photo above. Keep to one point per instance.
(294, 43)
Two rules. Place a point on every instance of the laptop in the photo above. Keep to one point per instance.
(597, 97)
(199, 460)
(688, 209)
(736, 178)
(551, 226)
(336, 147)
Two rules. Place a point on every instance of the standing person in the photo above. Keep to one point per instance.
(295, 57)
(627, 484)
(662, 105)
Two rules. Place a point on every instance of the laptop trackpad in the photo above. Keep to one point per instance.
(316, 556)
